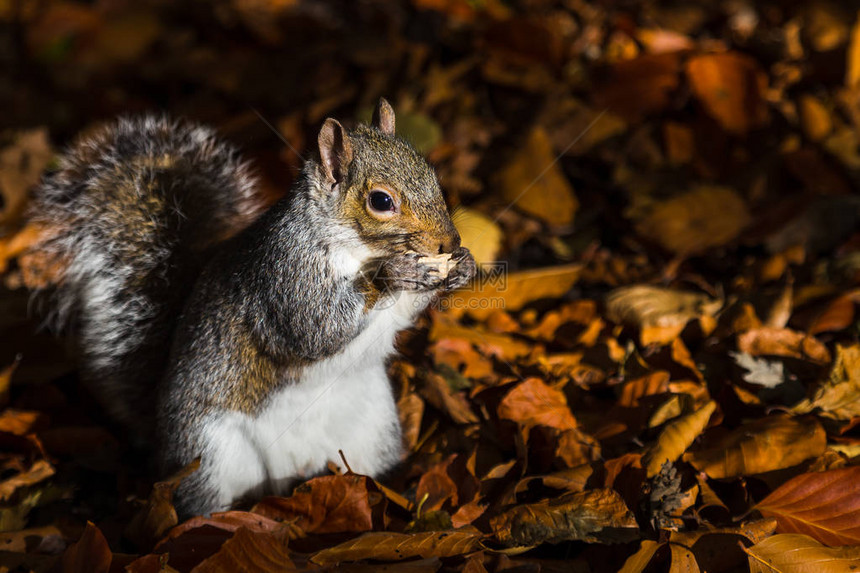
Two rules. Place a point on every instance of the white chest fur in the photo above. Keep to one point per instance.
(343, 403)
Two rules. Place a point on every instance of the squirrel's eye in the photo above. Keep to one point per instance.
(380, 201)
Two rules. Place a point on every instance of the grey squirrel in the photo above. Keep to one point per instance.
(262, 350)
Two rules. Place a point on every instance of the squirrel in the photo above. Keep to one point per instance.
(253, 339)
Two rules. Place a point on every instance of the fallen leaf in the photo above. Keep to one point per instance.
(533, 403)
(767, 341)
(478, 233)
(760, 371)
(683, 560)
(676, 437)
(705, 217)
(839, 396)
(90, 554)
(838, 315)
(793, 553)
(500, 290)
(656, 382)
(158, 515)
(730, 86)
(637, 562)
(20, 422)
(39, 471)
(593, 516)
(823, 505)
(763, 445)
(229, 521)
(327, 504)
(21, 166)
(536, 185)
(660, 313)
(247, 550)
(636, 88)
(852, 67)
(815, 118)
(389, 546)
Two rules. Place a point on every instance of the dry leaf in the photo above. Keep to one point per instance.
(708, 216)
(839, 396)
(386, 546)
(660, 313)
(636, 88)
(39, 471)
(228, 521)
(838, 315)
(676, 438)
(533, 403)
(683, 560)
(767, 341)
(815, 118)
(512, 291)
(535, 184)
(21, 166)
(852, 68)
(793, 553)
(478, 233)
(637, 562)
(90, 554)
(594, 516)
(327, 504)
(823, 505)
(155, 518)
(260, 551)
(730, 86)
(763, 445)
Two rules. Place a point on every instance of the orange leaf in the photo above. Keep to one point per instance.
(823, 505)
(260, 551)
(594, 516)
(763, 445)
(731, 88)
(782, 342)
(327, 504)
(677, 437)
(533, 403)
(386, 546)
(90, 554)
(793, 553)
(637, 562)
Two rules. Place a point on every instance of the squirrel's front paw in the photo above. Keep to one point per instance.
(464, 270)
(407, 272)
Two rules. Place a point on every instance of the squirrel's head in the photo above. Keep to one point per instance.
(383, 188)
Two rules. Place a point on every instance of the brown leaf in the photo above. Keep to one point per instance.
(533, 403)
(327, 504)
(823, 505)
(436, 487)
(593, 516)
(158, 515)
(21, 422)
(815, 118)
(258, 551)
(768, 341)
(706, 217)
(763, 445)
(730, 86)
(676, 437)
(637, 562)
(439, 394)
(229, 521)
(478, 233)
(793, 553)
(512, 291)
(660, 313)
(410, 408)
(536, 185)
(839, 396)
(39, 471)
(90, 554)
(639, 87)
(21, 166)
(656, 382)
(683, 560)
(852, 69)
(838, 315)
(387, 546)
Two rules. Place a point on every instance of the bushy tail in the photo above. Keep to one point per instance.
(134, 209)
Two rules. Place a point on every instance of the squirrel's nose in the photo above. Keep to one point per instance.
(450, 244)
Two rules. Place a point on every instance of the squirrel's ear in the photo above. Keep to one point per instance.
(335, 150)
(383, 117)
